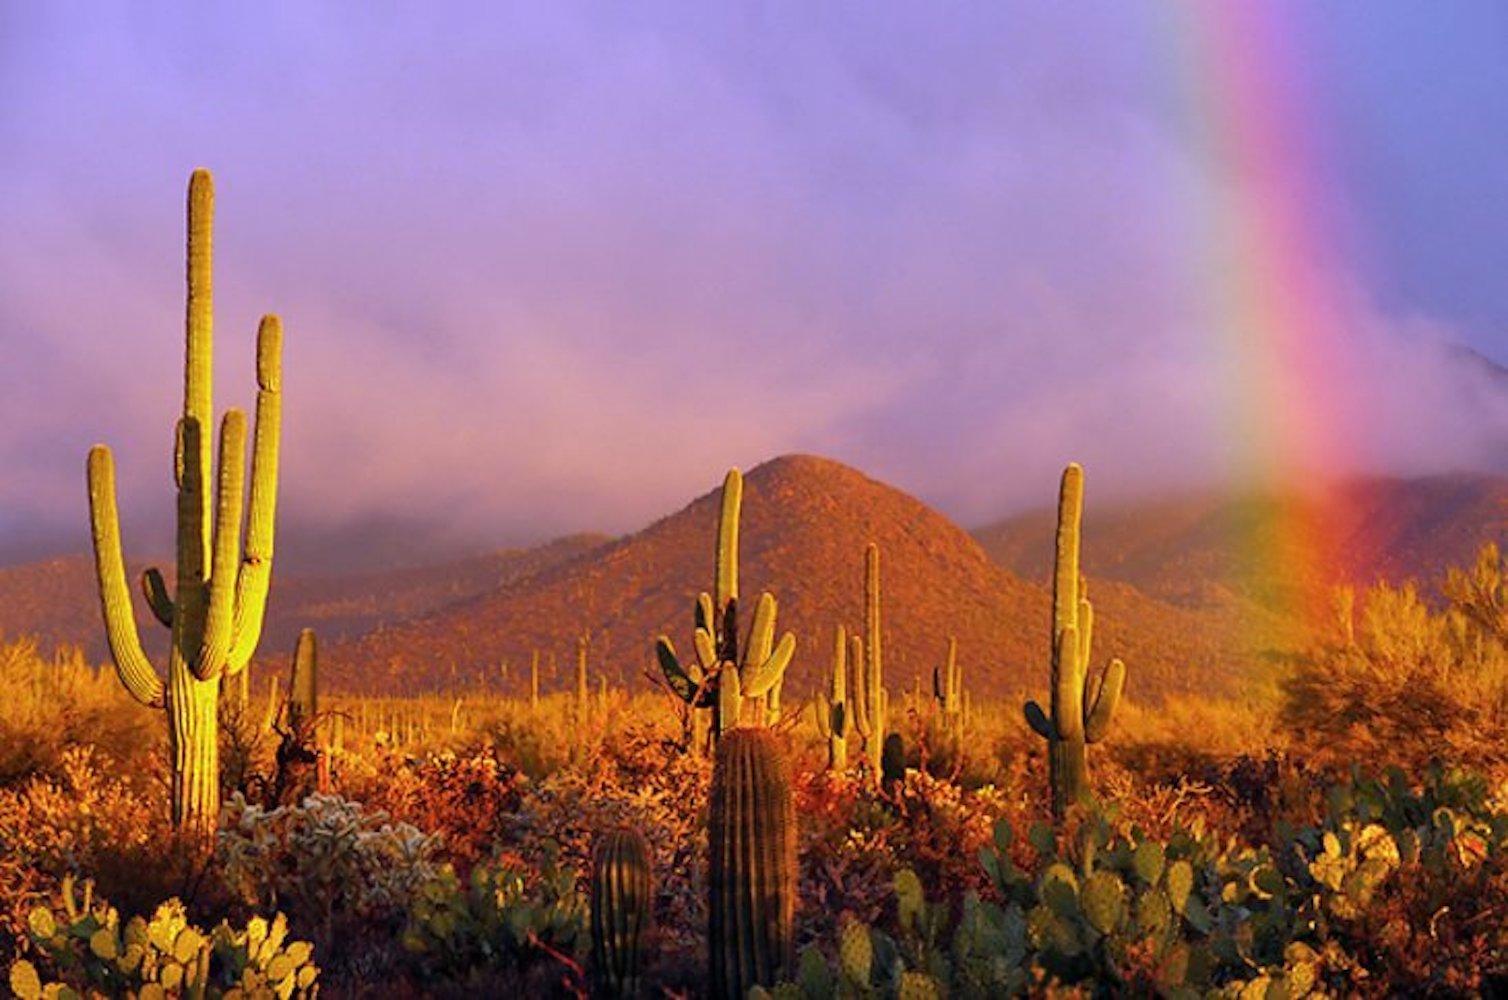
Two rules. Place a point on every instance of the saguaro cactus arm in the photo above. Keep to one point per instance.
(219, 622)
(1101, 711)
(131, 663)
(255, 576)
(156, 593)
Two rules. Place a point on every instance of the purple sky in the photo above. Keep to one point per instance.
(555, 268)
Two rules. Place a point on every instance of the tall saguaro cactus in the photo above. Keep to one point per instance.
(871, 700)
(221, 586)
(751, 871)
(1076, 720)
(724, 674)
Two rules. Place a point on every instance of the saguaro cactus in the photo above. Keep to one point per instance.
(1076, 721)
(303, 686)
(947, 689)
(834, 714)
(871, 700)
(581, 678)
(751, 865)
(724, 675)
(216, 617)
(622, 891)
(534, 681)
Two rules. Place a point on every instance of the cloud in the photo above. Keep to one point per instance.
(553, 271)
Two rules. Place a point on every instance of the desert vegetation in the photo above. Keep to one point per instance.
(714, 824)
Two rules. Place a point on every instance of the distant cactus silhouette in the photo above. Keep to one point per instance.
(724, 675)
(751, 864)
(216, 616)
(622, 894)
(871, 700)
(947, 689)
(1076, 720)
(833, 711)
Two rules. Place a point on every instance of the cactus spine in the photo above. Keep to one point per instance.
(1076, 721)
(751, 864)
(622, 891)
(871, 700)
(216, 616)
(724, 675)
(833, 711)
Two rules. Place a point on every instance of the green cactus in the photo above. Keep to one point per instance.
(622, 891)
(871, 700)
(947, 690)
(724, 675)
(91, 948)
(834, 720)
(303, 687)
(1076, 720)
(534, 681)
(581, 673)
(216, 618)
(751, 864)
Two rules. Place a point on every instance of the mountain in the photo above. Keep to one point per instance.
(56, 600)
(1210, 550)
(806, 522)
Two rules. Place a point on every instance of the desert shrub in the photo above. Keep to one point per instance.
(340, 872)
(84, 946)
(466, 799)
(1402, 683)
(638, 781)
(91, 820)
(60, 702)
(501, 920)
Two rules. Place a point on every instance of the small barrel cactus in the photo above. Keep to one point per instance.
(622, 891)
(751, 864)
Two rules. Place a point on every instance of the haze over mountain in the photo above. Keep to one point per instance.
(1176, 592)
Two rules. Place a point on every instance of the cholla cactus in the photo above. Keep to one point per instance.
(1076, 720)
(725, 675)
(871, 700)
(834, 719)
(216, 618)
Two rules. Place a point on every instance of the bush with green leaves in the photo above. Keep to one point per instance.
(505, 916)
(85, 949)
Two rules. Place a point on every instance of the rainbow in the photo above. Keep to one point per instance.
(1267, 246)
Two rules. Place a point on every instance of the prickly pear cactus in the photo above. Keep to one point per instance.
(622, 891)
(93, 951)
(751, 871)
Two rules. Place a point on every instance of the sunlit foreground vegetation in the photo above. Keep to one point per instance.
(185, 831)
(1343, 832)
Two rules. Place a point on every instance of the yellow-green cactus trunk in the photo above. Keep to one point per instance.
(194, 742)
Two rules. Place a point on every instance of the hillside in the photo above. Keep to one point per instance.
(1205, 551)
(806, 522)
(55, 599)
